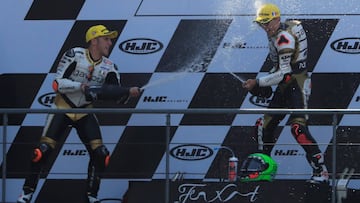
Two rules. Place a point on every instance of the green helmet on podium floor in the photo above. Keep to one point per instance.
(258, 167)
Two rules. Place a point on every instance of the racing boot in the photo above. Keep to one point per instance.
(93, 199)
(25, 197)
(320, 172)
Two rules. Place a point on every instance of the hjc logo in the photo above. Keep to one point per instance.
(78, 152)
(236, 45)
(260, 101)
(141, 46)
(290, 152)
(155, 99)
(191, 152)
(47, 99)
(349, 45)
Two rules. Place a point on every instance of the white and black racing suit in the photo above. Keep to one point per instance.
(288, 53)
(77, 68)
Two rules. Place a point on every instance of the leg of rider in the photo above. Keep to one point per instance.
(99, 160)
(89, 133)
(265, 130)
(313, 154)
(302, 135)
(299, 129)
(54, 127)
(266, 134)
(40, 156)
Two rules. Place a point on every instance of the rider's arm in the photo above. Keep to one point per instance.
(66, 65)
(285, 46)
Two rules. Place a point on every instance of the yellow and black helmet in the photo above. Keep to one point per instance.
(266, 13)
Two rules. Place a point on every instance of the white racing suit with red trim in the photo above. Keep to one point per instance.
(288, 52)
(76, 68)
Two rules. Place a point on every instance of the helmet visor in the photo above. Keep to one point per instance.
(253, 165)
(263, 20)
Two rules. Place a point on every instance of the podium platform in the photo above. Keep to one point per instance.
(186, 191)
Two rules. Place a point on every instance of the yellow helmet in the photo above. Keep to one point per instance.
(99, 31)
(266, 13)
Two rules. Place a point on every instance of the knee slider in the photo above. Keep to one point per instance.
(101, 156)
(301, 134)
(41, 152)
(297, 129)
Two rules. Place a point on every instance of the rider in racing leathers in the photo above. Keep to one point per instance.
(83, 76)
(288, 52)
